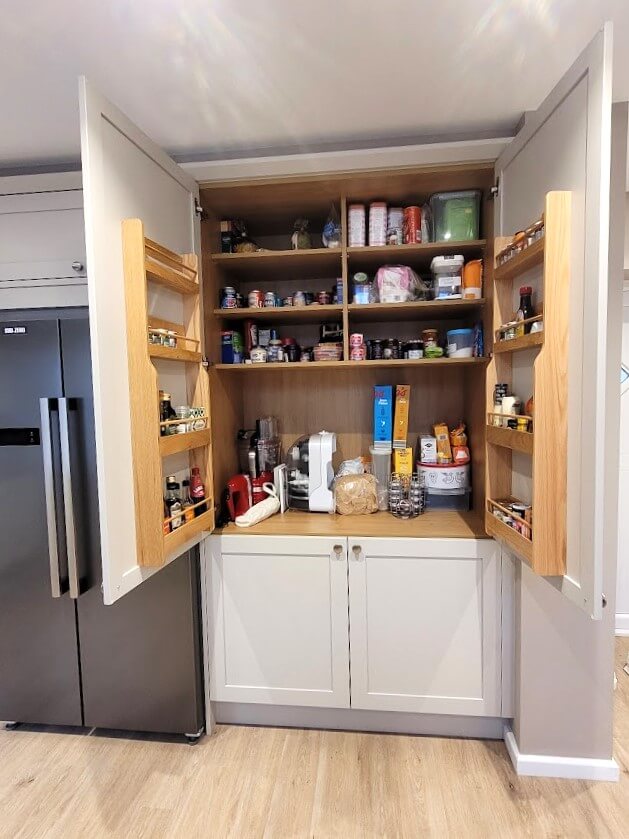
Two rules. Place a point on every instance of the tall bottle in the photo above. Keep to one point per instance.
(197, 491)
(525, 310)
(173, 502)
(166, 412)
(186, 501)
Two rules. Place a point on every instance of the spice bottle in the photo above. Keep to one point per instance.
(186, 501)
(197, 491)
(173, 502)
(525, 310)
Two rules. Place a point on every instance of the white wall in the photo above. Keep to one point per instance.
(622, 583)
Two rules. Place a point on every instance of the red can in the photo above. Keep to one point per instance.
(324, 298)
(412, 225)
(256, 299)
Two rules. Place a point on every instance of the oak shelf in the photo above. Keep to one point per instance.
(417, 310)
(524, 342)
(302, 314)
(374, 256)
(522, 262)
(510, 438)
(353, 365)
(173, 443)
(285, 264)
(187, 532)
(431, 524)
(522, 546)
(174, 354)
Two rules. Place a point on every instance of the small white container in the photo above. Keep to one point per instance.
(447, 272)
(356, 226)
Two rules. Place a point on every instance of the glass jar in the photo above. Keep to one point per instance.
(429, 338)
(274, 351)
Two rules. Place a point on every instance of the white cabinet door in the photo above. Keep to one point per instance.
(125, 175)
(566, 145)
(425, 625)
(278, 620)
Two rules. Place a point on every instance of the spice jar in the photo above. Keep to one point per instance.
(429, 337)
(375, 349)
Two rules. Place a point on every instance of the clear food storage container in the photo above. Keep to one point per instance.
(455, 215)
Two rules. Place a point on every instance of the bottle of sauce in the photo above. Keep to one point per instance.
(166, 412)
(525, 311)
(173, 502)
(186, 501)
(197, 491)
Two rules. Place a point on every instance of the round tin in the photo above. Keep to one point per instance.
(255, 299)
(299, 298)
(228, 298)
(269, 299)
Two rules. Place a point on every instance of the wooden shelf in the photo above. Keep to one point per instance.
(353, 365)
(173, 443)
(315, 263)
(434, 525)
(187, 532)
(519, 544)
(510, 438)
(525, 342)
(522, 262)
(177, 354)
(418, 310)
(375, 256)
(280, 314)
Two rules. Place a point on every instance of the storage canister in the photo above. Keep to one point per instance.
(455, 215)
(473, 279)
(356, 225)
(255, 300)
(377, 223)
(412, 225)
(460, 343)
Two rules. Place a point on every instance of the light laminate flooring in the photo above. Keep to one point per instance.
(280, 783)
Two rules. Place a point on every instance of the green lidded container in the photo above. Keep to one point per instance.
(455, 215)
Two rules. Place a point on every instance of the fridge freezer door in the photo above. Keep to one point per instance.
(39, 665)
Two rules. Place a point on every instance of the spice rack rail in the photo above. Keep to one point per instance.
(147, 262)
(548, 445)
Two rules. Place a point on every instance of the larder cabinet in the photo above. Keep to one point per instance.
(563, 149)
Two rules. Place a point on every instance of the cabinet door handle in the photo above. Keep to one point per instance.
(338, 551)
(358, 553)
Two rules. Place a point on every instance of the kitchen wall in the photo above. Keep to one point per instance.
(622, 583)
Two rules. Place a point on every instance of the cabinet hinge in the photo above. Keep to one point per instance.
(494, 191)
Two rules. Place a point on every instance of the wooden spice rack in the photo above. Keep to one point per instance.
(545, 552)
(147, 262)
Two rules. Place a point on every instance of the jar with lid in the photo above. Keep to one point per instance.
(391, 349)
(258, 355)
(275, 352)
(166, 413)
(375, 349)
(429, 338)
(413, 349)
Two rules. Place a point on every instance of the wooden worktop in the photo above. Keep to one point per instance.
(430, 525)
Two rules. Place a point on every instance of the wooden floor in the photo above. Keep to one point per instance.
(248, 782)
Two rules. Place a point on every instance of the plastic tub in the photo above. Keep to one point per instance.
(448, 499)
(460, 343)
(455, 215)
(444, 475)
(447, 274)
(381, 460)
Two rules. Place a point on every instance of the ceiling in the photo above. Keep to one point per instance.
(218, 78)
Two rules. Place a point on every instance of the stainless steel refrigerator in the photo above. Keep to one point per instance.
(65, 657)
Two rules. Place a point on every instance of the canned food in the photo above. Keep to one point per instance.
(256, 299)
(413, 349)
(358, 353)
(412, 225)
(375, 349)
(310, 298)
(299, 298)
(356, 225)
(269, 299)
(228, 298)
(356, 340)
(324, 298)
(287, 301)
(429, 337)
(258, 355)
(306, 354)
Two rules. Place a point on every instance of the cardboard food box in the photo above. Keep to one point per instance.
(382, 416)
(400, 424)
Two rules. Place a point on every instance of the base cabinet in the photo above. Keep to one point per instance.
(425, 625)
(278, 625)
(419, 619)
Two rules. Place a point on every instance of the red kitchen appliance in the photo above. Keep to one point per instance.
(238, 496)
(257, 486)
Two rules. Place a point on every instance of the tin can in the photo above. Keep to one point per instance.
(287, 301)
(228, 298)
(251, 335)
(299, 298)
(310, 298)
(412, 225)
(358, 353)
(306, 354)
(377, 223)
(324, 298)
(255, 299)
(269, 300)
(395, 226)
(356, 339)
(375, 349)
(275, 352)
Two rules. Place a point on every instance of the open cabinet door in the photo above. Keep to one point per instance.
(566, 146)
(126, 176)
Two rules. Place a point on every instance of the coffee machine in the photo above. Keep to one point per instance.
(310, 473)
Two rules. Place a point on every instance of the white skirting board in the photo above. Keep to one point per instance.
(354, 719)
(551, 766)
(622, 624)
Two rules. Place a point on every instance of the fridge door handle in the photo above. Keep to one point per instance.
(46, 405)
(68, 498)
